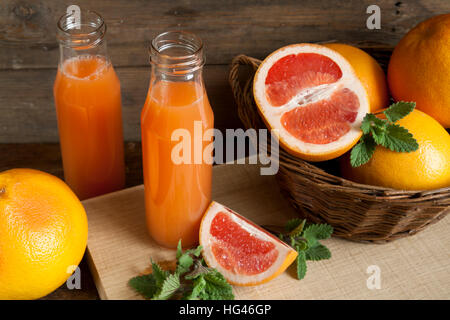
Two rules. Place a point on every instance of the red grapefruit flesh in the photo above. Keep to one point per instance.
(242, 251)
(323, 121)
(313, 99)
(296, 72)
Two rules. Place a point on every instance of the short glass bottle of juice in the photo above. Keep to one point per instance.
(177, 160)
(88, 106)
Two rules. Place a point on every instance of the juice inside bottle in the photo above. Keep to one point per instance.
(176, 194)
(88, 106)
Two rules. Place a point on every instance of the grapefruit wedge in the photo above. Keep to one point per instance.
(313, 98)
(242, 251)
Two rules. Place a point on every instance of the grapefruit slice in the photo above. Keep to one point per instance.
(242, 251)
(314, 99)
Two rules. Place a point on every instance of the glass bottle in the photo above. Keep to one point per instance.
(175, 119)
(88, 106)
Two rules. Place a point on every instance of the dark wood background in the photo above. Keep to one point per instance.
(29, 55)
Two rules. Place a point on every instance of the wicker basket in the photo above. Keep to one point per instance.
(356, 211)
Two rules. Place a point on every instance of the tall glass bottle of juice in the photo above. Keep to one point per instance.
(177, 192)
(88, 107)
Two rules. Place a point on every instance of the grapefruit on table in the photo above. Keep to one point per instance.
(242, 251)
(420, 66)
(43, 233)
(313, 98)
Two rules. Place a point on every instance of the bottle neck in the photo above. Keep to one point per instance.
(81, 36)
(177, 56)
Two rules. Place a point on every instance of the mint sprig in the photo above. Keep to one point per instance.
(384, 132)
(191, 280)
(304, 238)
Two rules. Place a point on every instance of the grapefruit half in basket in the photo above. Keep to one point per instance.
(242, 251)
(314, 99)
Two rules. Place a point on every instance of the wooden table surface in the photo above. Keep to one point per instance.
(29, 55)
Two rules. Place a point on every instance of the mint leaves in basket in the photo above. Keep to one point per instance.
(384, 132)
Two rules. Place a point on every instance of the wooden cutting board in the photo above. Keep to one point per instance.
(416, 267)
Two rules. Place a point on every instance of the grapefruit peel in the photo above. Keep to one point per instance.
(244, 253)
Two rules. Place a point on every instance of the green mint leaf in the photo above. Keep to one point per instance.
(197, 251)
(300, 245)
(216, 278)
(199, 285)
(399, 110)
(316, 232)
(184, 263)
(159, 274)
(170, 285)
(385, 133)
(363, 151)
(216, 287)
(366, 124)
(185, 259)
(293, 242)
(399, 139)
(298, 230)
(301, 265)
(304, 237)
(292, 224)
(379, 132)
(375, 126)
(370, 122)
(320, 231)
(144, 285)
(179, 249)
(318, 252)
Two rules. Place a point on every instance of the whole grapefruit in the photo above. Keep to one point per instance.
(419, 69)
(43, 233)
(426, 168)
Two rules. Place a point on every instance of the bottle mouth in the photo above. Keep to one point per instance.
(81, 30)
(177, 52)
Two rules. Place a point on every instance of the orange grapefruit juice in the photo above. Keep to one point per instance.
(176, 195)
(88, 106)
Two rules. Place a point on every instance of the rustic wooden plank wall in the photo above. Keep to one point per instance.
(29, 51)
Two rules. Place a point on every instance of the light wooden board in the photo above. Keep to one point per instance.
(416, 267)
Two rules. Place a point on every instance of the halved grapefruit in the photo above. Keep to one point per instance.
(239, 249)
(314, 99)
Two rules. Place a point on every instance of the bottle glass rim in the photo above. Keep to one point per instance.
(88, 31)
(177, 52)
